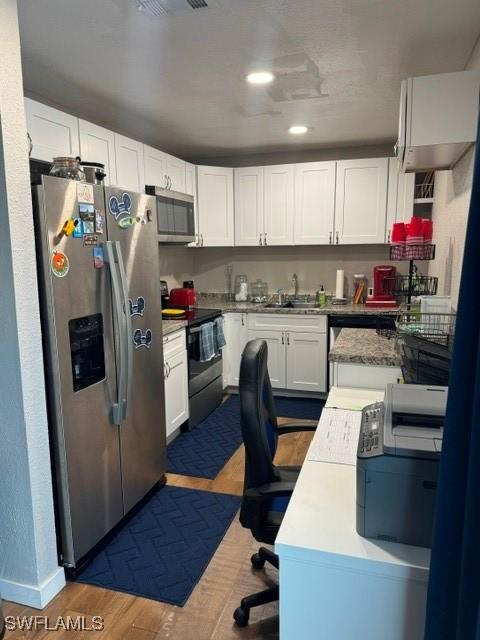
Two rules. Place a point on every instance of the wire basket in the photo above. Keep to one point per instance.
(437, 328)
(399, 286)
(412, 252)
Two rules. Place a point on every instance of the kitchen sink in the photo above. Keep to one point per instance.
(296, 304)
(277, 305)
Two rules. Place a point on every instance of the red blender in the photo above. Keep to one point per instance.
(383, 283)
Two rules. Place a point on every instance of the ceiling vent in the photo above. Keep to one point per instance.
(160, 8)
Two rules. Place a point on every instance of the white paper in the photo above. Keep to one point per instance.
(340, 282)
(336, 438)
(85, 193)
(352, 399)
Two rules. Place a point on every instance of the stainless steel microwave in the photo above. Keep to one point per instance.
(175, 215)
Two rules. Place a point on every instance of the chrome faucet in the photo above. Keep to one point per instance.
(280, 296)
(295, 284)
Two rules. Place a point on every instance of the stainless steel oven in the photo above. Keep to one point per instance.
(175, 215)
(205, 379)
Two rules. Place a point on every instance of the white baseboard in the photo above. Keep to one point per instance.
(36, 596)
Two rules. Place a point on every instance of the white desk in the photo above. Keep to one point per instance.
(334, 584)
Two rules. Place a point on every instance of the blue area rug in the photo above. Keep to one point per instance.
(301, 408)
(202, 452)
(162, 552)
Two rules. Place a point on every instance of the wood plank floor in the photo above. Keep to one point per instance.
(207, 615)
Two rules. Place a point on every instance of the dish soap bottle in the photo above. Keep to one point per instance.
(321, 296)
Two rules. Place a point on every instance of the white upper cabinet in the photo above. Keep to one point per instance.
(279, 204)
(175, 170)
(249, 196)
(98, 145)
(130, 164)
(190, 179)
(155, 167)
(53, 132)
(361, 201)
(438, 119)
(314, 202)
(401, 191)
(215, 206)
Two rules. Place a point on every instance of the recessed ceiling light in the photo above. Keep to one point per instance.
(260, 77)
(298, 130)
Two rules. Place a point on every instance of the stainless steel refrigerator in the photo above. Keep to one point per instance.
(101, 318)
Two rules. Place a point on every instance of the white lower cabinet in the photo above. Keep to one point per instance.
(297, 349)
(176, 381)
(236, 337)
(276, 355)
(306, 361)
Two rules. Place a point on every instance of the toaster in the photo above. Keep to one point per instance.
(183, 297)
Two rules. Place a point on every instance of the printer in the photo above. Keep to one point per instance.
(397, 464)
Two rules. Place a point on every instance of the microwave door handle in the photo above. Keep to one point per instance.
(128, 337)
(117, 407)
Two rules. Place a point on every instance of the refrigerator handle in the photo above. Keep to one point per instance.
(128, 338)
(118, 406)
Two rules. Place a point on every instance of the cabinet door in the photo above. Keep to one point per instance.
(307, 362)
(130, 164)
(276, 355)
(98, 145)
(175, 169)
(248, 206)
(190, 180)
(279, 204)
(314, 202)
(401, 189)
(361, 201)
(236, 337)
(155, 167)
(176, 391)
(53, 132)
(215, 206)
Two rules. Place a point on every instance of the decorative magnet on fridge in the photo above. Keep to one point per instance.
(59, 264)
(140, 340)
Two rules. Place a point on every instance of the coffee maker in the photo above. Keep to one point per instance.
(383, 280)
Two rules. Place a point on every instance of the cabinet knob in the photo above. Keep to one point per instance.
(388, 237)
(288, 339)
(243, 320)
(283, 338)
(265, 239)
(201, 235)
(260, 239)
(336, 237)
(330, 238)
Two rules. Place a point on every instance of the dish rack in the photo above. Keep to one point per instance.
(426, 343)
(414, 284)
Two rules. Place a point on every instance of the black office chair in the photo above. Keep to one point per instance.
(267, 487)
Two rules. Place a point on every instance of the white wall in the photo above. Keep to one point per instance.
(29, 571)
(276, 265)
(450, 214)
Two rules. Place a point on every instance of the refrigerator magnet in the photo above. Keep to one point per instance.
(89, 239)
(98, 221)
(85, 193)
(98, 261)
(59, 264)
(78, 231)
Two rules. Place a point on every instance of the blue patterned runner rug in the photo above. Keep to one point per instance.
(163, 550)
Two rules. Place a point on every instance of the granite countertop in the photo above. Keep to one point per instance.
(170, 326)
(365, 346)
(218, 301)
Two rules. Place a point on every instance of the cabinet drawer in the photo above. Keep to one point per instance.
(174, 343)
(287, 322)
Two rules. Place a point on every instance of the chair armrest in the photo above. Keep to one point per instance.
(294, 428)
(271, 490)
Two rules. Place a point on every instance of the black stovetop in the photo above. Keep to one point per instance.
(197, 316)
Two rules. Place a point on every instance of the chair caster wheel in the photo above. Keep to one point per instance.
(257, 561)
(241, 617)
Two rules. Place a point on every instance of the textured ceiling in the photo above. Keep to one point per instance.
(178, 81)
